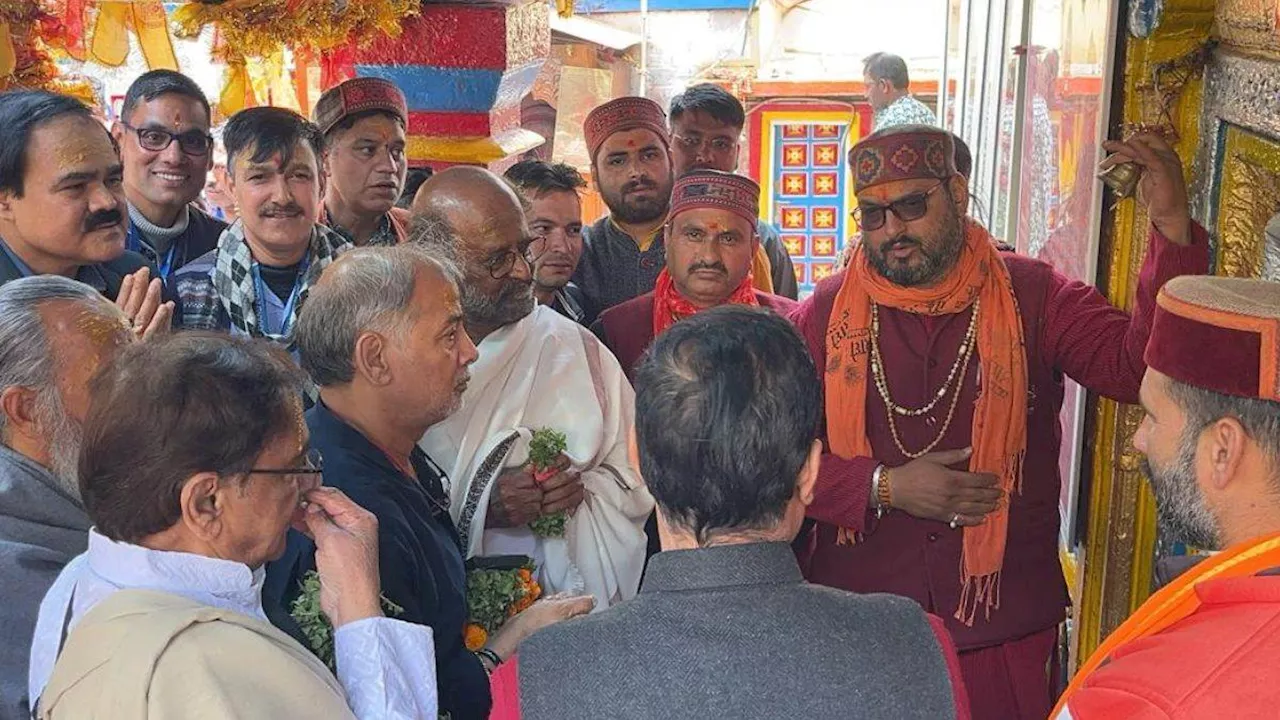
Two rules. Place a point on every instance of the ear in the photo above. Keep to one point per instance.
(1226, 443)
(808, 478)
(117, 133)
(7, 198)
(370, 359)
(203, 505)
(324, 164)
(960, 193)
(19, 405)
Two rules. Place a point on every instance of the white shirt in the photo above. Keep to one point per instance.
(385, 666)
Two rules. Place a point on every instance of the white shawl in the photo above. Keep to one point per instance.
(548, 372)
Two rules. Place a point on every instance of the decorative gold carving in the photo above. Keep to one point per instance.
(1248, 198)
(1120, 545)
(1117, 599)
(1249, 25)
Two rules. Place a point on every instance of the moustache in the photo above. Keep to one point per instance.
(718, 267)
(103, 219)
(641, 184)
(290, 210)
(888, 245)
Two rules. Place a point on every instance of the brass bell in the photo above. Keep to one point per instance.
(1122, 179)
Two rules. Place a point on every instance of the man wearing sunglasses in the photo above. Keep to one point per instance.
(537, 369)
(164, 140)
(944, 360)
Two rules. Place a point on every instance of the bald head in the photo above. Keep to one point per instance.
(481, 220)
(465, 196)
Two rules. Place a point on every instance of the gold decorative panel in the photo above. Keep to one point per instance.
(1249, 25)
(1248, 197)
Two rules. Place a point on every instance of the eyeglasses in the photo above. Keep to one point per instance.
(911, 207)
(314, 466)
(501, 266)
(691, 143)
(192, 142)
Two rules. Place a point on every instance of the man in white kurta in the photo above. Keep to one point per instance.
(536, 370)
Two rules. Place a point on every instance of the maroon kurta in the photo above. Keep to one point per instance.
(1071, 329)
(627, 329)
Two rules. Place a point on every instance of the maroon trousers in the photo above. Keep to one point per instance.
(1010, 681)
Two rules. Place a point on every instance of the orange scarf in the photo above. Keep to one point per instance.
(1000, 418)
(1179, 600)
(669, 306)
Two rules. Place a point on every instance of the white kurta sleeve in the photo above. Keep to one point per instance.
(387, 669)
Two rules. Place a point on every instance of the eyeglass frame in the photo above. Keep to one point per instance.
(314, 466)
(894, 206)
(689, 144)
(172, 137)
(522, 250)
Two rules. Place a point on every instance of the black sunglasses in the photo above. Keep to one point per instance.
(911, 207)
(192, 142)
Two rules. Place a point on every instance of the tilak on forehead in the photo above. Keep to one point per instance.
(720, 190)
(624, 113)
(904, 152)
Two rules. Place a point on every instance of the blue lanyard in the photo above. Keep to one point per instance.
(260, 298)
(133, 241)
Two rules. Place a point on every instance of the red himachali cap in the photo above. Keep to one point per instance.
(624, 113)
(903, 152)
(1220, 334)
(714, 189)
(356, 96)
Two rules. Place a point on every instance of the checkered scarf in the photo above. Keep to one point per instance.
(233, 278)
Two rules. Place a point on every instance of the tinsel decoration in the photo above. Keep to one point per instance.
(259, 28)
(25, 60)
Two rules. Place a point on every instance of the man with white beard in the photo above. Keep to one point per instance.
(54, 335)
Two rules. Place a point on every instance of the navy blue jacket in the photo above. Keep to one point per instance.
(419, 554)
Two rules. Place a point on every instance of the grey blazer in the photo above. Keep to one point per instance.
(735, 632)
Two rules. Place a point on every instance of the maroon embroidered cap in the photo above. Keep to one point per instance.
(903, 152)
(715, 189)
(356, 96)
(624, 113)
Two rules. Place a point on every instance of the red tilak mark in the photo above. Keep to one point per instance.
(631, 143)
(715, 227)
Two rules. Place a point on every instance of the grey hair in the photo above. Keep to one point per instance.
(1260, 418)
(26, 358)
(372, 291)
(433, 233)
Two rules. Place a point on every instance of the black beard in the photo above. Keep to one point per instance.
(642, 212)
(1180, 505)
(937, 262)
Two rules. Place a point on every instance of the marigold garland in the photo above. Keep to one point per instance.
(494, 595)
